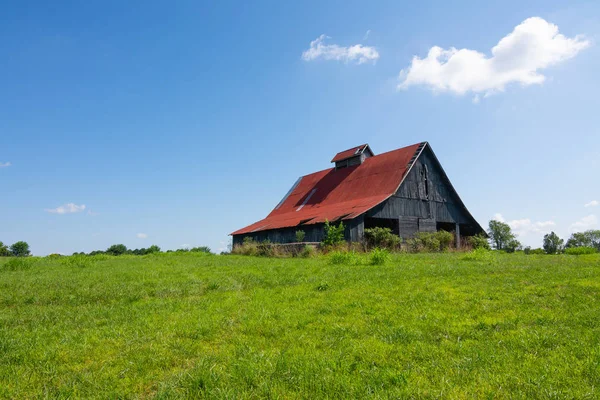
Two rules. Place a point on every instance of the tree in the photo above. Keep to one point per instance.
(4, 252)
(153, 249)
(201, 249)
(20, 249)
(589, 238)
(117, 249)
(512, 245)
(501, 235)
(552, 243)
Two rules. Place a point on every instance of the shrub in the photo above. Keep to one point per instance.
(535, 251)
(379, 256)
(4, 252)
(308, 252)
(577, 251)
(430, 241)
(479, 241)
(300, 235)
(201, 249)
(265, 249)
(381, 238)
(343, 257)
(481, 255)
(248, 248)
(334, 235)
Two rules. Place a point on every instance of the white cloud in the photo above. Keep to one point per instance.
(533, 45)
(5, 164)
(525, 226)
(68, 208)
(142, 235)
(356, 53)
(585, 223)
(592, 203)
(367, 34)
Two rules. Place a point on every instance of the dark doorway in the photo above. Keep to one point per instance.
(383, 223)
(445, 226)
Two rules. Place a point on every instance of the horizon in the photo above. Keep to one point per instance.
(175, 125)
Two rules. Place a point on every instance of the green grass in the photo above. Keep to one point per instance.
(191, 325)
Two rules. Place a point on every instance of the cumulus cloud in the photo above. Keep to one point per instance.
(142, 235)
(585, 223)
(5, 164)
(592, 203)
(518, 57)
(356, 53)
(525, 226)
(68, 208)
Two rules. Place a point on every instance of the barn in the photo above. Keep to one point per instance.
(405, 190)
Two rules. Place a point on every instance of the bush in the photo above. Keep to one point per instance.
(201, 249)
(381, 238)
(430, 242)
(248, 248)
(512, 245)
(343, 257)
(527, 250)
(577, 251)
(481, 255)
(334, 235)
(379, 256)
(300, 235)
(479, 241)
(535, 251)
(308, 252)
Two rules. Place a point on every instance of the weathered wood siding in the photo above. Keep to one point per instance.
(420, 203)
(313, 233)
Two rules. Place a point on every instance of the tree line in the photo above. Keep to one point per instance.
(502, 238)
(21, 249)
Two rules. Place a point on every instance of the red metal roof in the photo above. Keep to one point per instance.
(342, 155)
(339, 194)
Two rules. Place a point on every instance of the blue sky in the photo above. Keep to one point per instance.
(180, 122)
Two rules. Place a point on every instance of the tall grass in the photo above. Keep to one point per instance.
(185, 325)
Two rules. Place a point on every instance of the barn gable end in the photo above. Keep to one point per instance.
(406, 190)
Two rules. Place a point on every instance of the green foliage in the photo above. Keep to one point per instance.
(300, 235)
(578, 251)
(501, 236)
(527, 250)
(382, 238)
(153, 249)
(308, 252)
(479, 241)
(249, 247)
(179, 326)
(379, 256)
(552, 243)
(535, 251)
(334, 235)
(4, 251)
(116, 250)
(20, 249)
(343, 258)
(512, 245)
(590, 238)
(430, 242)
(18, 264)
(201, 249)
(480, 255)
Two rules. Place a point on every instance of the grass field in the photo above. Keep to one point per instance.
(191, 325)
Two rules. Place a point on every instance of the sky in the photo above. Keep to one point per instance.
(176, 123)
